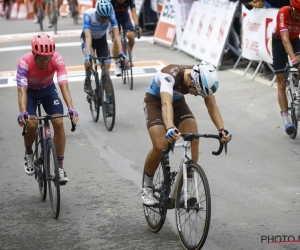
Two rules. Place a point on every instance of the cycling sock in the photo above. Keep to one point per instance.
(285, 116)
(60, 162)
(148, 181)
(28, 150)
(108, 97)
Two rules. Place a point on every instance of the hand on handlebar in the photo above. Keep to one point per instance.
(172, 134)
(88, 60)
(138, 30)
(72, 113)
(226, 135)
(296, 63)
(22, 118)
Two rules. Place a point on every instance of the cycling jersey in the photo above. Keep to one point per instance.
(122, 7)
(284, 22)
(30, 76)
(169, 79)
(92, 23)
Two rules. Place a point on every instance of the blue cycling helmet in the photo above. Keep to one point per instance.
(104, 8)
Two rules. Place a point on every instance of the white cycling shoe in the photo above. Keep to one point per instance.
(147, 196)
(29, 164)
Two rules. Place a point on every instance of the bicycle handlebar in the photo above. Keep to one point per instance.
(45, 118)
(287, 68)
(190, 137)
(137, 32)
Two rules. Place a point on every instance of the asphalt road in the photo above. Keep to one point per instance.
(255, 189)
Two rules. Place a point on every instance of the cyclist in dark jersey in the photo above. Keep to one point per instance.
(167, 113)
(121, 8)
(285, 42)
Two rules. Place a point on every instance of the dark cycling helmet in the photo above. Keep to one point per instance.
(43, 45)
(104, 8)
(295, 4)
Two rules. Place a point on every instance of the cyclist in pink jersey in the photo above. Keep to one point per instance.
(285, 42)
(35, 82)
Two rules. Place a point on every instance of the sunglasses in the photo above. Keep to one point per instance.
(297, 11)
(44, 58)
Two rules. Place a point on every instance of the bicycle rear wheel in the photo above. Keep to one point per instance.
(74, 12)
(193, 221)
(95, 100)
(108, 102)
(40, 16)
(53, 178)
(40, 175)
(292, 112)
(155, 215)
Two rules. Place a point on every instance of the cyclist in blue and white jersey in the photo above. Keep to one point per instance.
(93, 37)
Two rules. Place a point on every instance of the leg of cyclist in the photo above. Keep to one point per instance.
(115, 52)
(87, 81)
(157, 132)
(35, 10)
(31, 133)
(59, 137)
(279, 63)
(58, 4)
(102, 50)
(48, 12)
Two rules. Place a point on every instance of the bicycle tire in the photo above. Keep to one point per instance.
(53, 181)
(74, 13)
(38, 161)
(54, 18)
(193, 207)
(7, 11)
(158, 186)
(292, 113)
(95, 101)
(124, 67)
(129, 71)
(108, 98)
(40, 16)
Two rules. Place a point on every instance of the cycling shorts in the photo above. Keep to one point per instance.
(100, 45)
(124, 20)
(49, 99)
(280, 57)
(153, 113)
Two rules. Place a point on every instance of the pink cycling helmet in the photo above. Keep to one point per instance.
(43, 45)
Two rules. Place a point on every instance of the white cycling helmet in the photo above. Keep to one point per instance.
(206, 79)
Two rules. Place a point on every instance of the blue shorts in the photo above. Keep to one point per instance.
(124, 20)
(49, 99)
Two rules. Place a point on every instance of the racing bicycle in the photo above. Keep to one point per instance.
(293, 96)
(192, 201)
(103, 94)
(45, 159)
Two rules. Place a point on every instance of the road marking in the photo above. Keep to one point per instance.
(77, 73)
(72, 44)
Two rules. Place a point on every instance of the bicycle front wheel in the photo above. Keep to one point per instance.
(108, 102)
(40, 174)
(95, 99)
(129, 72)
(53, 177)
(292, 112)
(155, 215)
(193, 221)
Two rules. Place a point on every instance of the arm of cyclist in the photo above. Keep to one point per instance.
(62, 79)
(22, 84)
(285, 37)
(136, 20)
(88, 38)
(116, 35)
(215, 115)
(166, 93)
